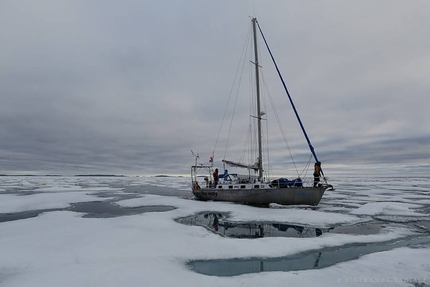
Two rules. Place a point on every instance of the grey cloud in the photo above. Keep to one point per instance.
(131, 87)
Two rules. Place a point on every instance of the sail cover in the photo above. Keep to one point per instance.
(238, 164)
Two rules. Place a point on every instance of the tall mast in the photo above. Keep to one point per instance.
(257, 83)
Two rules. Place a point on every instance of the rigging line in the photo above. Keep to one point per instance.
(246, 144)
(252, 107)
(268, 149)
(263, 98)
(242, 57)
(234, 109)
(289, 97)
(249, 144)
(264, 133)
(305, 170)
(265, 136)
(275, 111)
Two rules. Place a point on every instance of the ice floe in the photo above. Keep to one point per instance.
(64, 248)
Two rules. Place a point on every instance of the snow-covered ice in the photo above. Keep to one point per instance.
(18, 203)
(388, 208)
(63, 248)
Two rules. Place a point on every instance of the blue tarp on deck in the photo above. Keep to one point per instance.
(285, 182)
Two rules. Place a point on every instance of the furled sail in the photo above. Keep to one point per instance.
(238, 164)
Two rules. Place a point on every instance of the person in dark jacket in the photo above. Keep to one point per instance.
(216, 177)
(317, 173)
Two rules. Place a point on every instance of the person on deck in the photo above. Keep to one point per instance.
(216, 177)
(224, 174)
(317, 173)
(196, 185)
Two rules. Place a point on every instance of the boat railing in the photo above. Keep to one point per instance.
(201, 176)
(308, 181)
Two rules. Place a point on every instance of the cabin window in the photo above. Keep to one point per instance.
(230, 186)
(243, 186)
(219, 186)
(256, 186)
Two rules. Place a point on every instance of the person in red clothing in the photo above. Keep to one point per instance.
(216, 177)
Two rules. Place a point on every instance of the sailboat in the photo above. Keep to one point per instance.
(254, 188)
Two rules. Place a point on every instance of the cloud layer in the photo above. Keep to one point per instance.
(131, 87)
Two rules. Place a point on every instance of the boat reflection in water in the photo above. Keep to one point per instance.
(217, 222)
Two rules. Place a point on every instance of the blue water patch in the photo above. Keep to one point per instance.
(94, 209)
(219, 223)
(315, 259)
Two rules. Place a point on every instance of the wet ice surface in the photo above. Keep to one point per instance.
(316, 259)
(32, 196)
(125, 231)
(220, 224)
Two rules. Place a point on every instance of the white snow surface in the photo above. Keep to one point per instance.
(63, 248)
(18, 203)
(240, 213)
(388, 208)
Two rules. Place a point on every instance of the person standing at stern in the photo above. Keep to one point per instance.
(317, 173)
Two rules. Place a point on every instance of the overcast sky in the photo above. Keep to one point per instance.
(130, 87)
